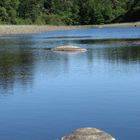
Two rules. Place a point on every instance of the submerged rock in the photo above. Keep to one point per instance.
(68, 48)
(88, 134)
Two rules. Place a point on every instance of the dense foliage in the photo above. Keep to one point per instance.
(69, 12)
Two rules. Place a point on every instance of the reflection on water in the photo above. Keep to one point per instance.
(121, 54)
(98, 88)
(18, 65)
(15, 65)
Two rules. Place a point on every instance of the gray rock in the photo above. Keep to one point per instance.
(88, 134)
(68, 48)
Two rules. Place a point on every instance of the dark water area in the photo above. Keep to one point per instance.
(45, 95)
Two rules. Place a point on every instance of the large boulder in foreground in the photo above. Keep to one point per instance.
(68, 48)
(88, 134)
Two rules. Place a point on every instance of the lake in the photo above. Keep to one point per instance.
(45, 95)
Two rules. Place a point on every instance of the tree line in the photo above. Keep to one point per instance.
(69, 12)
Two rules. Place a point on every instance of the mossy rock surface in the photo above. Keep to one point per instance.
(88, 134)
(68, 48)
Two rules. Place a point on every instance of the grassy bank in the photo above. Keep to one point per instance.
(28, 29)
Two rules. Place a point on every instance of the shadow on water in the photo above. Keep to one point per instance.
(109, 41)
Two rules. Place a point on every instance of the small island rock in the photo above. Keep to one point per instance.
(68, 48)
(88, 134)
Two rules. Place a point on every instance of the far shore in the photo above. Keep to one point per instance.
(130, 24)
(30, 29)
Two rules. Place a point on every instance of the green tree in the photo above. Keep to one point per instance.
(68, 11)
(30, 9)
(8, 10)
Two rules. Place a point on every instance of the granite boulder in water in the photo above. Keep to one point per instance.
(68, 48)
(88, 134)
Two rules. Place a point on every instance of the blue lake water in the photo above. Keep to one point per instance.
(45, 95)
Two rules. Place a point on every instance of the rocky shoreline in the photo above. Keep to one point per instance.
(29, 29)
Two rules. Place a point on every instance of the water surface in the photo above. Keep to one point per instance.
(45, 95)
